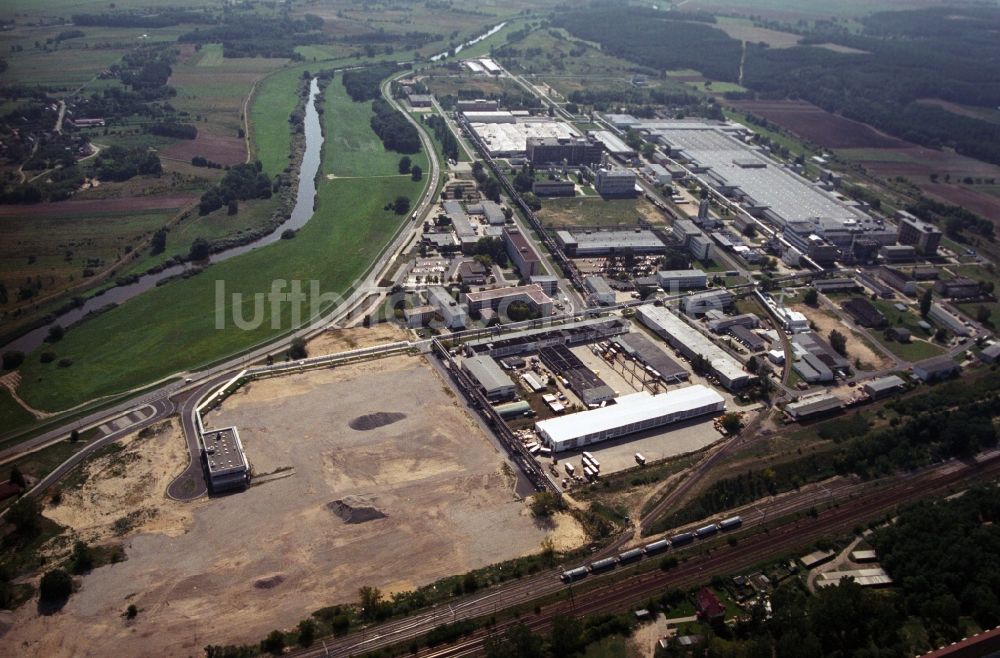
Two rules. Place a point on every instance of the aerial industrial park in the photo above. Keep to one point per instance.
(490, 332)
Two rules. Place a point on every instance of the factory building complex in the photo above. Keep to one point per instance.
(814, 221)
(586, 243)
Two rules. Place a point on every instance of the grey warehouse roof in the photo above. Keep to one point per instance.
(740, 165)
(486, 371)
(636, 239)
(881, 384)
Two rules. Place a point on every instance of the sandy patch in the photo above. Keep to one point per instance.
(341, 340)
(267, 557)
(567, 534)
(129, 482)
(857, 346)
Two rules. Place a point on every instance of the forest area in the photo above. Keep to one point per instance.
(942, 558)
(903, 56)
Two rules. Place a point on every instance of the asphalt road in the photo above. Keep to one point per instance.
(162, 408)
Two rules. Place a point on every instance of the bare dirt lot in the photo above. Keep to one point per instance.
(267, 557)
(342, 340)
(857, 347)
(595, 211)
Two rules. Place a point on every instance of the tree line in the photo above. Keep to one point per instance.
(365, 84)
(449, 145)
(242, 181)
(395, 131)
(261, 36)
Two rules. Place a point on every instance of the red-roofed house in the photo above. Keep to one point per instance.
(708, 605)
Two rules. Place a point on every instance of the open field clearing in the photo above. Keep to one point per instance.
(920, 346)
(858, 348)
(12, 415)
(595, 211)
(55, 251)
(94, 206)
(273, 102)
(342, 340)
(971, 111)
(425, 497)
(359, 151)
(744, 30)
(174, 327)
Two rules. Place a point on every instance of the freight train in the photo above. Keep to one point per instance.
(659, 546)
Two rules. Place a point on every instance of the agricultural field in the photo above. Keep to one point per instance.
(213, 90)
(135, 343)
(56, 251)
(795, 10)
(819, 126)
(744, 30)
(595, 211)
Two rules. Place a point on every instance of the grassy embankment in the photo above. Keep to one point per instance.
(12, 415)
(172, 328)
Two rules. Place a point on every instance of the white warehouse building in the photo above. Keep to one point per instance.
(631, 413)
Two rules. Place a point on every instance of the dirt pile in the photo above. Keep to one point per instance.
(375, 420)
(269, 582)
(356, 509)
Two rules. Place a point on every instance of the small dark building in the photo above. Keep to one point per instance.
(899, 334)
(864, 312)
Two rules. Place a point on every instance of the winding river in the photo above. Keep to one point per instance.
(301, 213)
(493, 30)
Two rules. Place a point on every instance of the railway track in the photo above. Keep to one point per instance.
(608, 593)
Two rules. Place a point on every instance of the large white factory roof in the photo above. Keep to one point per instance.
(628, 410)
(513, 137)
(725, 365)
(737, 164)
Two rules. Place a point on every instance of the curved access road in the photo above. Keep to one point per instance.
(190, 484)
(162, 408)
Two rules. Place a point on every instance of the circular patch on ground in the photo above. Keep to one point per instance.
(375, 420)
(355, 509)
